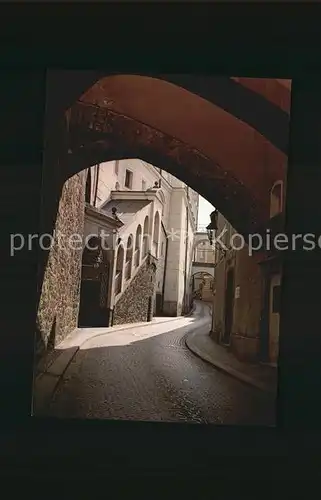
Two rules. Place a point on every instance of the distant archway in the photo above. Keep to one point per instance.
(119, 270)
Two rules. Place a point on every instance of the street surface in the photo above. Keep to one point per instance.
(147, 373)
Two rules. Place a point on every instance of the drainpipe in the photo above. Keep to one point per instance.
(165, 266)
(96, 186)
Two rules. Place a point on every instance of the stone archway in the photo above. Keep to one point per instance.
(263, 103)
(230, 132)
(230, 158)
(99, 135)
(199, 279)
(237, 128)
(229, 147)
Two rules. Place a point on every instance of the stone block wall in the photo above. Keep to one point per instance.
(132, 307)
(59, 301)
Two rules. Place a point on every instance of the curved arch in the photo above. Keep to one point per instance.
(138, 245)
(201, 274)
(263, 103)
(121, 137)
(188, 114)
(129, 257)
(276, 198)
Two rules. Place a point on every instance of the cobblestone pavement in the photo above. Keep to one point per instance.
(149, 374)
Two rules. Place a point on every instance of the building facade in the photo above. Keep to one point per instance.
(203, 266)
(147, 219)
(136, 224)
(246, 308)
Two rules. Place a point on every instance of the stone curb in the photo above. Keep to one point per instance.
(46, 382)
(225, 368)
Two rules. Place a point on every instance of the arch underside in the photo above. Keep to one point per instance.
(224, 138)
(115, 136)
(199, 242)
(264, 104)
(232, 132)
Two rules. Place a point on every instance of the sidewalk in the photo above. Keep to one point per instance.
(262, 377)
(51, 368)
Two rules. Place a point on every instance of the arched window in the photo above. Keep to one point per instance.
(119, 270)
(88, 187)
(276, 199)
(146, 236)
(117, 186)
(138, 242)
(129, 258)
(156, 234)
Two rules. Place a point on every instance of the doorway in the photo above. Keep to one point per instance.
(229, 306)
(89, 310)
(93, 310)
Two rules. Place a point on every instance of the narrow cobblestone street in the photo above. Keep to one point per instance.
(148, 373)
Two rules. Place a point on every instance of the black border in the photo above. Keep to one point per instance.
(272, 41)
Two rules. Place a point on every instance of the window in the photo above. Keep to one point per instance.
(143, 185)
(128, 179)
(276, 199)
(116, 167)
(162, 248)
